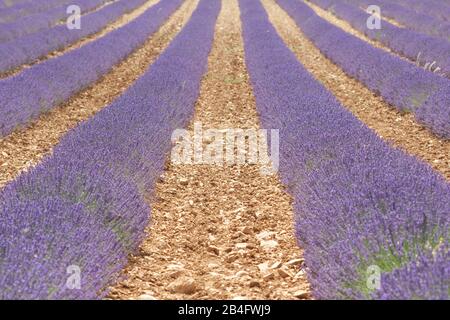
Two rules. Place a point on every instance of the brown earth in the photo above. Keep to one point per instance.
(219, 232)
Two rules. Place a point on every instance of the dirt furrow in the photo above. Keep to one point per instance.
(401, 130)
(219, 231)
(123, 20)
(26, 147)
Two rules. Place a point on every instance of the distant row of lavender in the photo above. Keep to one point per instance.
(417, 47)
(45, 85)
(409, 18)
(9, 3)
(31, 47)
(44, 20)
(12, 10)
(84, 206)
(436, 8)
(358, 201)
(404, 85)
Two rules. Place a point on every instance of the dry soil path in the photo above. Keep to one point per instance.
(219, 232)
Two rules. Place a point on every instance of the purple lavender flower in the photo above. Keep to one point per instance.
(360, 204)
(82, 209)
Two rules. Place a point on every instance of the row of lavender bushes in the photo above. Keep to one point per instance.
(33, 46)
(409, 18)
(435, 8)
(358, 201)
(9, 3)
(84, 205)
(44, 20)
(47, 84)
(418, 47)
(12, 10)
(406, 86)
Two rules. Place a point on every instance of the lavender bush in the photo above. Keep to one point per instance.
(28, 48)
(413, 45)
(406, 86)
(43, 20)
(84, 205)
(431, 274)
(359, 202)
(45, 85)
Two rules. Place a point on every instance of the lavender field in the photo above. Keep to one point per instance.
(224, 150)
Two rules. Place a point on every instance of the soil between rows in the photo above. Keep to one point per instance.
(219, 232)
